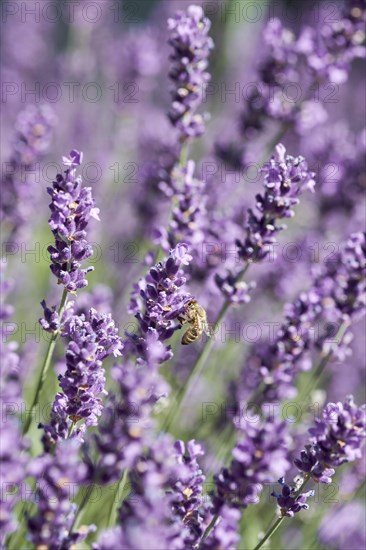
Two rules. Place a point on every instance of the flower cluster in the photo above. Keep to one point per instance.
(336, 438)
(126, 423)
(158, 302)
(342, 42)
(55, 475)
(260, 455)
(34, 131)
(279, 67)
(145, 519)
(12, 457)
(192, 45)
(71, 208)
(285, 178)
(315, 56)
(337, 295)
(225, 536)
(93, 337)
(189, 215)
(290, 500)
(197, 226)
(344, 280)
(188, 493)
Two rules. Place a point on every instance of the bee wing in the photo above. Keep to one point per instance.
(207, 329)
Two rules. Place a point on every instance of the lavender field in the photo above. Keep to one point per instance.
(183, 256)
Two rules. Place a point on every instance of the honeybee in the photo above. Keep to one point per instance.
(197, 319)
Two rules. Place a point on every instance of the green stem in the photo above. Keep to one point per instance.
(319, 369)
(182, 161)
(71, 429)
(85, 499)
(278, 522)
(46, 365)
(198, 367)
(120, 487)
(208, 529)
(269, 533)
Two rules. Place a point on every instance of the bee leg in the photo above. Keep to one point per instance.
(182, 320)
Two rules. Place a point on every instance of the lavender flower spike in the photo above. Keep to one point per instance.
(285, 178)
(92, 338)
(71, 208)
(158, 301)
(192, 45)
(34, 132)
(188, 492)
(259, 456)
(289, 501)
(55, 477)
(335, 439)
(12, 456)
(146, 520)
(127, 419)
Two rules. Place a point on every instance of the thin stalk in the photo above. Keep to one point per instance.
(208, 529)
(71, 429)
(278, 522)
(269, 533)
(183, 157)
(199, 365)
(319, 369)
(46, 365)
(81, 507)
(120, 487)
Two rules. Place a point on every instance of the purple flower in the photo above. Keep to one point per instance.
(337, 295)
(335, 439)
(126, 423)
(92, 338)
(238, 292)
(289, 501)
(225, 535)
(316, 56)
(12, 456)
(192, 45)
(342, 42)
(158, 302)
(260, 455)
(285, 178)
(55, 476)
(188, 492)
(145, 519)
(34, 130)
(188, 220)
(51, 321)
(71, 208)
